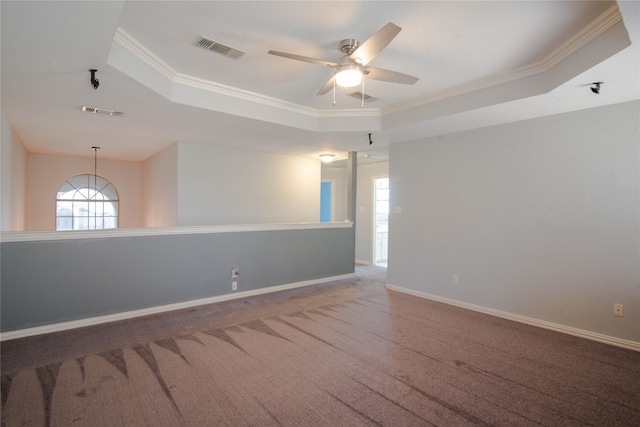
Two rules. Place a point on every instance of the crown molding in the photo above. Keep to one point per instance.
(350, 112)
(138, 50)
(142, 53)
(588, 33)
(245, 95)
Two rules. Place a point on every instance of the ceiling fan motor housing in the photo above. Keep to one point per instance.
(348, 46)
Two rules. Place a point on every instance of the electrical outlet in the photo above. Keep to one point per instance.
(618, 310)
(234, 286)
(455, 279)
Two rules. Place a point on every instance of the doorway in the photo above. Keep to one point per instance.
(381, 221)
(326, 201)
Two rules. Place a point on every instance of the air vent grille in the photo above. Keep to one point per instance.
(216, 47)
(358, 95)
(96, 110)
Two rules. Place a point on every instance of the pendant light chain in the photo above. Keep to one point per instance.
(334, 90)
(95, 185)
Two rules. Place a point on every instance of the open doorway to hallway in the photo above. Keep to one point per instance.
(381, 221)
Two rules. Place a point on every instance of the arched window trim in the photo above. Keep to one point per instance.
(87, 202)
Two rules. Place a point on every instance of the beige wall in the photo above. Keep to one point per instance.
(160, 189)
(219, 185)
(185, 184)
(46, 173)
(13, 167)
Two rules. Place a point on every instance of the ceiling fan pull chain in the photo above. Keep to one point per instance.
(334, 91)
(362, 91)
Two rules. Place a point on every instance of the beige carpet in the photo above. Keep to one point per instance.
(342, 354)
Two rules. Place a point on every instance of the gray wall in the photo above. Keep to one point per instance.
(539, 218)
(47, 282)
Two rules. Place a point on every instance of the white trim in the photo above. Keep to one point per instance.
(349, 113)
(363, 262)
(137, 49)
(210, 86)
(593, 336)
(134, 47)
(595, 28)
(30, 236)
(91, 321)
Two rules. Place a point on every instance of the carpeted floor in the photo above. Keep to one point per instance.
(346, 353)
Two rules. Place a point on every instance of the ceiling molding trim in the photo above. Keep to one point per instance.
(588, 33)
(245, 95)
(350, 112)
(139, 51)
(129, 43)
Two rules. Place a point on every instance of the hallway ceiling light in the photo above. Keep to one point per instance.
(327, 158)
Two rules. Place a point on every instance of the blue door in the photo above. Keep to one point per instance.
(325, 201)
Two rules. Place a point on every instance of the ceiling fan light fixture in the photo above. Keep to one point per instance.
(349, 75)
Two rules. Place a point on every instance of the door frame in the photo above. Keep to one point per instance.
(373, 218)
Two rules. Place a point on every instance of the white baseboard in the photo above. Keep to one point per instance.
(606, 339)
(64, 326)
(363, 262)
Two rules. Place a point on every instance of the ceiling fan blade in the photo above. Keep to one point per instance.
(376, 73)
(327, 86)
(304, 58)
(374, 44)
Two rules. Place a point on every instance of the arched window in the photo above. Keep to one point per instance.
(86, 202)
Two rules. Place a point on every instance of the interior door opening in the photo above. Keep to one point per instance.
(381, 221)
(326, 201)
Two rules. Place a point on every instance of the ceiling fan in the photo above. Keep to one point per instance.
(351, 68)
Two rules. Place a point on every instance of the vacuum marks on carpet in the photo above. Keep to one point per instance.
(383, 359)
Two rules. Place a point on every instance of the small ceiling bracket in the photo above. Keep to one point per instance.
(94, 82)
(595, 87)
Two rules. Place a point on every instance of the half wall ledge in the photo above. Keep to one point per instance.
(59, 280)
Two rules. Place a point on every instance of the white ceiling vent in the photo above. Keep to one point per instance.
(214, 46)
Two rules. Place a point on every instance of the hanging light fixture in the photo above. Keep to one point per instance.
(349, 72)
